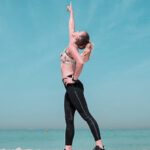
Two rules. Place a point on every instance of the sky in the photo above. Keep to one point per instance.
(33, 33)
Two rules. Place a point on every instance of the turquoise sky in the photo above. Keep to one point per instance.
(117, 78)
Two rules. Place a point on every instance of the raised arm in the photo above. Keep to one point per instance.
(71, 21)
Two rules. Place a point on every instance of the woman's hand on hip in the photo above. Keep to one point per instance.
(68, 81)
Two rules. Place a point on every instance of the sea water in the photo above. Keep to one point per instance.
(53, 139)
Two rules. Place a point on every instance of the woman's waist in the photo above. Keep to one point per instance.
(67, 70)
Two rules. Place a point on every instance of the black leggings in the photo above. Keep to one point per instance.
(75, 100)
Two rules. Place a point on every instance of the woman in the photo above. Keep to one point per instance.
(71, 66)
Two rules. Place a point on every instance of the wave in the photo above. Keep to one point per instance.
(18, 148)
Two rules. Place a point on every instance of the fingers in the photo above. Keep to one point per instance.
(69, 7)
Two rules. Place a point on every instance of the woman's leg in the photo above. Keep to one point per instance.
(76, 95)
(69, 118)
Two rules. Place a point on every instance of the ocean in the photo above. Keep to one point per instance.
(53, 139)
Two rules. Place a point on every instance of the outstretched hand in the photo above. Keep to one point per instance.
(69, 7)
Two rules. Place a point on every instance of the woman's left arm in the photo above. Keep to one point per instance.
(85, 55)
